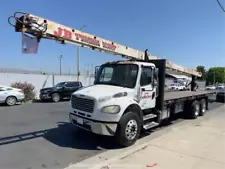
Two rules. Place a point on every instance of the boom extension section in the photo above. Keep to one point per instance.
(43, 28)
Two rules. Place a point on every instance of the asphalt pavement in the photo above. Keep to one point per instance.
(38, 135)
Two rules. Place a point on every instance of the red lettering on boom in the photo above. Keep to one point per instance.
(58, 32)
(87, 39)
(108, 45)
(67, 34)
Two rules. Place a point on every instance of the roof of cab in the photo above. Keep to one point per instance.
(131, 62)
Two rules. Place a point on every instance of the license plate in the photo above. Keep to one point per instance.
(79, 120)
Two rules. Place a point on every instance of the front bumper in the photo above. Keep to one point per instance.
(44, 96)
(20, 98)
(97, 127)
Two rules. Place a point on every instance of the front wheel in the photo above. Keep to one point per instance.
(128, 129)
(55, 97)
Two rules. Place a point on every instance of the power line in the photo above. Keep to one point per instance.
(220, 5)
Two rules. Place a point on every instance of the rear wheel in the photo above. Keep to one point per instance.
(195, 109)
(128, 129)
(55, 97)
(202, 107)
(10, 101)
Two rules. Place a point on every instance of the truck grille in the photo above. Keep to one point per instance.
(82, 104)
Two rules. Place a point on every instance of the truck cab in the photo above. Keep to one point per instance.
(115, 103)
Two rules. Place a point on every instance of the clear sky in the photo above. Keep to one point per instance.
(187, 32)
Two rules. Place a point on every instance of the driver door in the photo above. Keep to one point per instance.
(148, 92)
(69, 88)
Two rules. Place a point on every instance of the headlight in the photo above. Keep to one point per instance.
(111, 109)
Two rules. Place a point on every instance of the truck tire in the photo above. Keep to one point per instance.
(195, 109)
(128, 129)
(202, 107)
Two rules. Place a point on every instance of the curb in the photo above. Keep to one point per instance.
(101, 161)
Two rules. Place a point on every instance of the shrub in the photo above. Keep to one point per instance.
(28, 89)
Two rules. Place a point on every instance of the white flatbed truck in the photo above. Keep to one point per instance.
(127, 96)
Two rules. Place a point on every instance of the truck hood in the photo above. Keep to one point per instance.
(99, 91)
(47, 89)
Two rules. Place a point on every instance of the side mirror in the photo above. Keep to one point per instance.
(156, 80)
(155, 76)
(150, 79)
(96, 70)
(63, 88)
(156, 72)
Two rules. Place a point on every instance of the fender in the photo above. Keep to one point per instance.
(131, 105)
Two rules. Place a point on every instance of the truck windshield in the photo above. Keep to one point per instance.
(124, 75)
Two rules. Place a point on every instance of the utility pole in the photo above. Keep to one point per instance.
(78, 57)
(60, 64)
(214, 78)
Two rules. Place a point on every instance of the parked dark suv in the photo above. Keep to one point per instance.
(62, 90)
(220, 96)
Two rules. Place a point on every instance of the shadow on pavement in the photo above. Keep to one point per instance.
(48, 101)
(2, 104)
(66, 135)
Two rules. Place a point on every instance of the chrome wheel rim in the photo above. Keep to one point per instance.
(55, 97)
(203, 107)
(131, 129)
(197, 109)
(11, 101)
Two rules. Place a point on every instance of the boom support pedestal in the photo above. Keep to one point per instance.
(193, 83)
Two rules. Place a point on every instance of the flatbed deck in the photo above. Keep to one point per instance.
(182, 94)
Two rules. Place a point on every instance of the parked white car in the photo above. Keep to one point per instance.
(176, 86)
(10, 96)
(210, 87)
(220, 87)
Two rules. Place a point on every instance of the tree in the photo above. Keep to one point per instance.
(215, 75)
(202, 70)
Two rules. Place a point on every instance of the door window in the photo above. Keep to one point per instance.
(146, 76)
(106, 74)
(72, 84)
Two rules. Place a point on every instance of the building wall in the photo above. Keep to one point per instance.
(40, 81)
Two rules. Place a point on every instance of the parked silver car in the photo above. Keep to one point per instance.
(10, 96)
(210, 87)
(220, 87)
